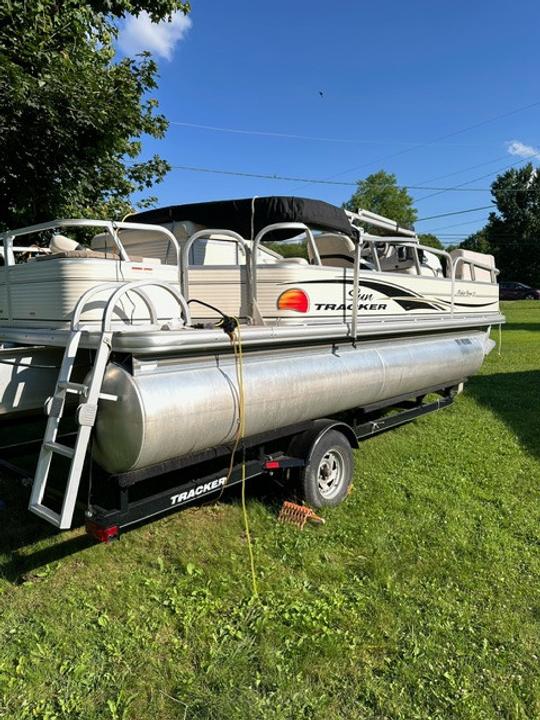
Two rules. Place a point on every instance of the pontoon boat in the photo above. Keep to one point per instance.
(139, 312)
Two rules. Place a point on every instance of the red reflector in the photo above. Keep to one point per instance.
(271, 465)
(101, 534)
(293, 299)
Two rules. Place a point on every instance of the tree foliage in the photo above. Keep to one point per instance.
(288, 250)
(430, 240)
(72, 116)
(477, 242)
(380, 193)
(512, 233)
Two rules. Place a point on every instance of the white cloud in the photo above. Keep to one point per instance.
(140, 33)
(515, 147)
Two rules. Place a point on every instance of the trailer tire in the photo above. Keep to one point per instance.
(326, 479)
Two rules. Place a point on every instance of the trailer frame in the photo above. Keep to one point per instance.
(116, 503)
(121, 501)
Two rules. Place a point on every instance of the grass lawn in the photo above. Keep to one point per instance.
(420, 597)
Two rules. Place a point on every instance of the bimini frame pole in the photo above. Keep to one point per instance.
(356, 286)
(371, 218)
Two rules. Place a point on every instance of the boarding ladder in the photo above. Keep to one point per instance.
(89, 392)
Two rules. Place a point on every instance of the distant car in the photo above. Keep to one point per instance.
(517, 291)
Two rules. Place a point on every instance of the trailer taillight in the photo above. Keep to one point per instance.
(293, 299)
(100, 533)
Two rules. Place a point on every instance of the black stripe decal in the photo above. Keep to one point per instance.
(474, 304)
(449, 302)
(394, 292)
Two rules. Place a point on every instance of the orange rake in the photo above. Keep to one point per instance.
(298, 515)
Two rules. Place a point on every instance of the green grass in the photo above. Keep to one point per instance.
(420, 597)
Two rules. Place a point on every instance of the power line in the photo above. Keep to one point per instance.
(438, 139)
(322, 181)
(264, 176)
(190, 168)
(482, 177)
(457, 212)
(445, 227)
(239, 131)
(464, 170)
(314, 138)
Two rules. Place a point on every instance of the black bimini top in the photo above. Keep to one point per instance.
(236, 215)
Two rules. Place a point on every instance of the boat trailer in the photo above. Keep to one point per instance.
(115, 503)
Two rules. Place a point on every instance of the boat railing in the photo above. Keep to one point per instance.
(453, 262)
(118, 291)
(111, 226)
(452, 265)
(493, 271)
(23, 249)
(274, 228)
(226, 236)
(414, 245)
(404, 238)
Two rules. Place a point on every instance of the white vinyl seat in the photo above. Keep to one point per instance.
(63, 244)
(334, 250)
(62, 247)
(391, 262)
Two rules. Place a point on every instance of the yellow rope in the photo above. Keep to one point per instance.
(238, 435)
(500, 340)
(239, 360)
(236, 342)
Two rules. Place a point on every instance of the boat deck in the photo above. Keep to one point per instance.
(144, 339)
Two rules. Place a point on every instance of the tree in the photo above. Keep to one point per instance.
(477, 242)
(513, 233)
(381, 194)
(288, 250)
(72, 117)
(430, 240)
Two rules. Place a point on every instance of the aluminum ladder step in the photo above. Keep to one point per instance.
(72, 387)
(47, 514)
(60, 449)
(90, 394)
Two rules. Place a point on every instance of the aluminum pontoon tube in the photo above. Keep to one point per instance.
(27, 377)
(182, 406)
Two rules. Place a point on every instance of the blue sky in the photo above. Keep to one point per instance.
(402, 86)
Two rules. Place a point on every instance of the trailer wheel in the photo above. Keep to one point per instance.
(327, 476)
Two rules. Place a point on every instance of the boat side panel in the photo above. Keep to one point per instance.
(43, 294)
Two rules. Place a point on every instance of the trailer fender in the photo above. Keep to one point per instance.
(302, 445)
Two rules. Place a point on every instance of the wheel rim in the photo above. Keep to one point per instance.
(529, 297)
(331, 473)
